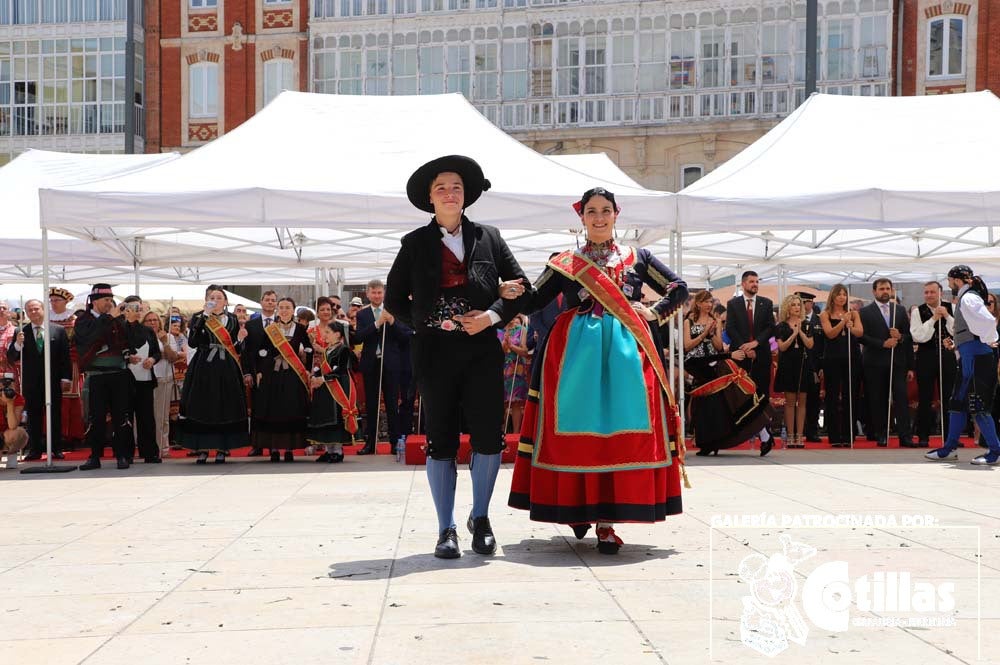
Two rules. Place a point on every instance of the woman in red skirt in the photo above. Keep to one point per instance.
(598, 439)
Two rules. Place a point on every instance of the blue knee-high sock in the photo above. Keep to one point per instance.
(484, 470)
(442, 476)
(956, 425)
(989, 431)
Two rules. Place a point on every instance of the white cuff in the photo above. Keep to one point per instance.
(494, 317)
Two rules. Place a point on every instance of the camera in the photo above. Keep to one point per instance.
(7, 386)
(128, 353)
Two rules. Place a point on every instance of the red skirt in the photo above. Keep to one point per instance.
(570, 497)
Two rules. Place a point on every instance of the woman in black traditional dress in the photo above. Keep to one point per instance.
(842, 381)
(725, 408)
(795, 372)
(213, 411)
(329, 425)
(281, 400)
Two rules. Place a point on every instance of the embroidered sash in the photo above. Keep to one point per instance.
(738, 376)
(348, 402)
(277, 337)
(215, 326)
(586, 273)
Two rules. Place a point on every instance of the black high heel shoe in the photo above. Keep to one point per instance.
(580, 530)
(202, 458)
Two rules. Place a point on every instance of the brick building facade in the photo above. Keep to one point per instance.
(948, 46)
(214, 63)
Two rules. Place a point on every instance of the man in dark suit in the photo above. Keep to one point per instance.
(383, 339)
(444, 283)
(750, 326)
(886, 342)
(29, 347)
(810, 321)
(254, 340)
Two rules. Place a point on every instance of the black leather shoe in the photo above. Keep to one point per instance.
(883, 443)
(766, 446)
(255, 452)
(813, 439)
(275, 455)
(336, 458)
(91, 463)
(483, 541)
(152, 460)
(923, 444)
(325, 457)
(447, 545)
(58, 455)
(31, 457)
(908, 443)
(367, 449)
(123, 463)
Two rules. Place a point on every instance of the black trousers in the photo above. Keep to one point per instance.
(34, 404)
(145, 419)
(837, 406)
(460, 375)
(407, 397)
(928, 387)
(110, 394)
(877, 390)
(811, 427)
(390, 391)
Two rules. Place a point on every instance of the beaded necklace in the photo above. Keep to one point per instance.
(608, 258)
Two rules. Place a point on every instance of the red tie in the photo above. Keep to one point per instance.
(750, 315)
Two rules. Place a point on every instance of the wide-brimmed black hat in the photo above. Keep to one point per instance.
(418, 187)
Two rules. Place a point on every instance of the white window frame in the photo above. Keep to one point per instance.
(206, 88)
(287, 82)
(203, 4)
(944, 47)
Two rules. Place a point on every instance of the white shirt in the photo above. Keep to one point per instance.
(923, 331)
(981, 323)
(164, 370)
(454, 242)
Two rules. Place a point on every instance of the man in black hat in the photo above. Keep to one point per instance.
(810, 323)
(975, 333)
(444, 284)
(103, 345)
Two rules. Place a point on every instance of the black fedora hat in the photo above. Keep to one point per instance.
(418, 187)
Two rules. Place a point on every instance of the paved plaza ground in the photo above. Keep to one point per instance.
(251, 562)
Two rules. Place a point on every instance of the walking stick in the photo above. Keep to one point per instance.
(850, 381)
(170, 371)
(510, 397)
(940, 379)
(892, 358)
(20, 370)
(378, 395)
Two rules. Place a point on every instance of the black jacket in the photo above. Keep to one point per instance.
(414, 282)
(876, 332)
(33, 360)
(393, 352)
(738, 328)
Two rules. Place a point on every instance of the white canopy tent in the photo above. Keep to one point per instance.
(321, 178)
(853, 185)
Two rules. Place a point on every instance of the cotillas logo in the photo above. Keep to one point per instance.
(771, 619)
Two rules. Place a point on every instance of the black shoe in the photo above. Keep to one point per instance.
(123, 463)
(130, 459)
(766, 446)
(812, 439)
(202, 458)
(336, 458)
(220, 457)
(91, 463)
(31, 457)
(703, 452)
(289, 457)
(483, 541)
(58, 455)
(882, 443)
(367, 449)
(275, 455)
(255, 452)
(152, 460)
(325, 457)
(580, 530)
(908, 443)
(447, 545)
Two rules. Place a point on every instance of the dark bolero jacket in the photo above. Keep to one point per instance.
(414, 282)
